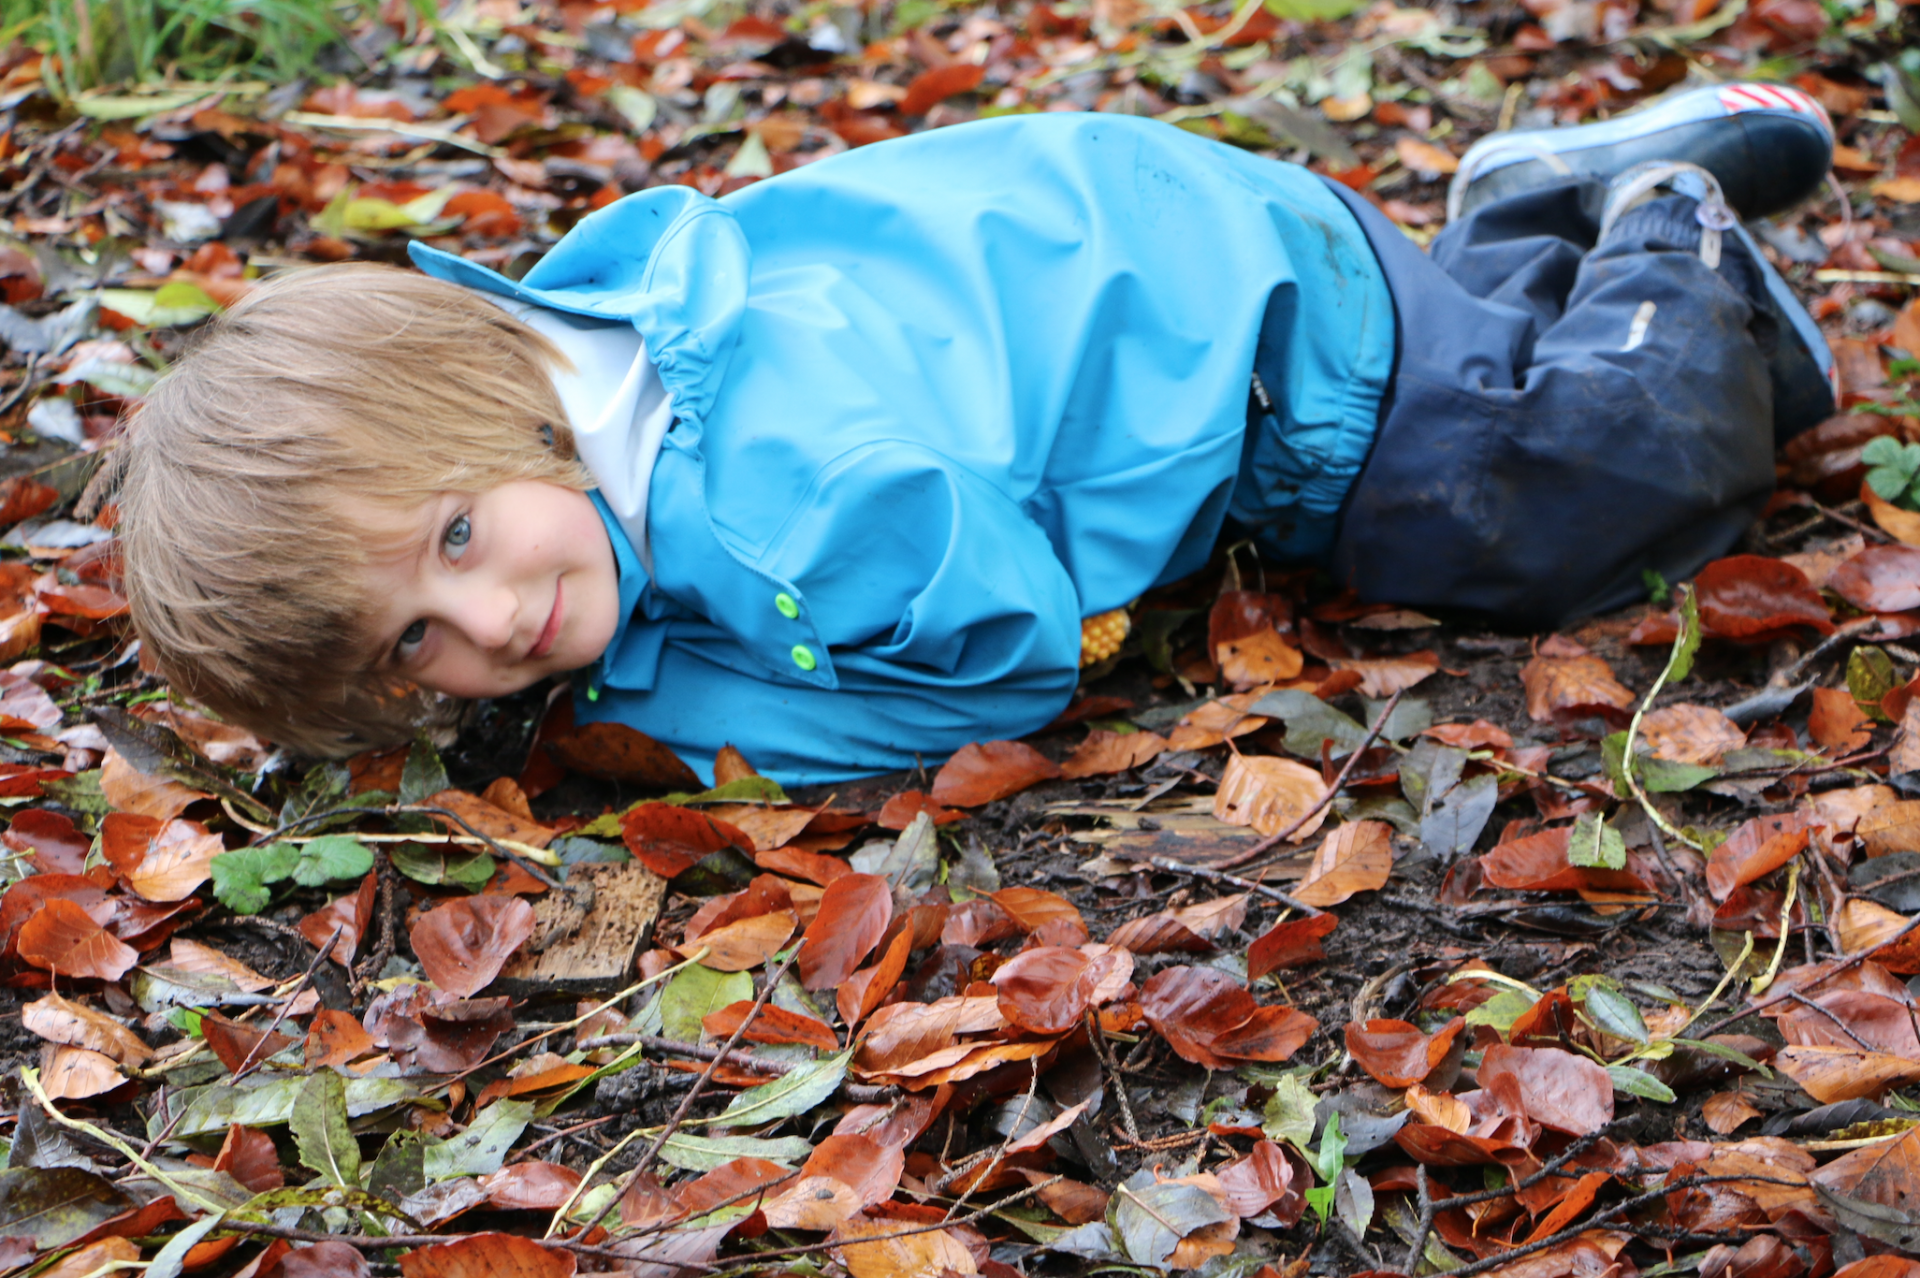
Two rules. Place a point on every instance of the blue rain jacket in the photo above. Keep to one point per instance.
(937, 399)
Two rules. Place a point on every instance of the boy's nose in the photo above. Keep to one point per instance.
(488, 617)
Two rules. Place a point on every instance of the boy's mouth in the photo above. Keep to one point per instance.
(551, 631)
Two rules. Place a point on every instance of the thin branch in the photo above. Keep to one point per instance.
(1843, 965)
(1172, 866)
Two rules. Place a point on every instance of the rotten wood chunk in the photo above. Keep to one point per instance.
(587, 934)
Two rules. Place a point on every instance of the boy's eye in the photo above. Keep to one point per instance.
(412, 636)
(458, 534)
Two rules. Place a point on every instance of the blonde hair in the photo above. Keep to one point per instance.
(355, 382)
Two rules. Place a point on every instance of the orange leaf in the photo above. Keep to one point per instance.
(463, 944)
(771, 1025)
(939, 84)
(240, 1045)
(1756, 849)
(1269, 794)
(891, 1252)
(862, 992)
(1292, 943)
(1572, 684)
(853, 917)
(1034, 908)
(615, 752)
(178, 860)
(898, 812)
(1357, 857)
(488, 1256)
(1837, 721)
(249, 1156)
(59, 1021)
(743, 945)
(530, 1186)
(1384, 676)
(1106, 752)
(1258, 659)
(1270, 1034)
(1558, 1090)
(63, 939)
(349, 914)
(1044, 990)
(864, 1165)
(484, 817)
(127, 789)
(334, 1038)
(1190, 1007)
(74, 1073)
(989, 770)
(1691, 734)
(1399, 1054)
(1833, 1074)
(670, 840)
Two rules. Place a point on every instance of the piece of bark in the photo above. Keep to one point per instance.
(587, 935)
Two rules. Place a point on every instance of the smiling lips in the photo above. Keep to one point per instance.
(550, 632)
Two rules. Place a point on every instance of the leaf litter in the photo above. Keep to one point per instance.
(1549, 976)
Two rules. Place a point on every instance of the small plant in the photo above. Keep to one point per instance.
(1895, 470)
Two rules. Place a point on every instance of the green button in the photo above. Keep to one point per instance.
(788, 608)
(803, 656)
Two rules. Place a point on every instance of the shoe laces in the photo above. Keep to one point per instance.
(1476, 161)
(1643, 182)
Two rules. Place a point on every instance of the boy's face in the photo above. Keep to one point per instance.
(481, 595)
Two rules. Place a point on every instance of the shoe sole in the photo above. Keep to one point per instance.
(1770, 146)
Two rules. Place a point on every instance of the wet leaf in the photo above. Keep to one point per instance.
(743, 945)
(1573, 684)
(1190, 1007)
(771, 1025)
(59, 1021)
(464, 943)
(1292, 943)
(1045, 990)
(672, 840)
(1269, 794)
(1754, 599)
(1880, 579)
(1756, 849)
(56, 1205)
(63, 939)
(1831, 1074)
(1152, 1219)
(1559, 1090)
(320, 1130)
(1357, 857)
(350, 915)
(697, 993)
(616, 752)
(1399, 1054)
(1690, 734)
(985, 771)
(488, 1256)
(795, 1092)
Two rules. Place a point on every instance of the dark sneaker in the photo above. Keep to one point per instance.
(1769, 146)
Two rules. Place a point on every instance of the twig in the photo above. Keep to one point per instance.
(1373, 733)
(999, 1154)
(1843, 965)
(693, 1093)
(248, 1064)
(1841, 634)
(1097, 1038)
(1868, 530)
(368, 969)
(562, 1134)
(409, 809)
(1666, 863)
(1425, 1227)
(1797, 997)
(1214, 876)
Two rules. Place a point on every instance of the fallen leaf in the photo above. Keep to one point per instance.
(238, 1045)
(1890, 828)
(1424, 157)
(1837, 721)
(1045, 990)
(1270, 1034)
(1880, 579)
(1105, 752)
(742, 945)
(59, 1021)
(463, 944)
(1033, 908)
(985, 771)
(350, 915)
(334, 1038)
(1691, 734)
(1212, 722)
(1756, 599)
(168, 867)
(487, 1256)
(1258, 659)
(883, 1249)
(770, 1025)
(1257, 1181)
(1724, 1112)
(107, 1256)
(616, 752)
(1357, 857)
(671, 840)
(853, 917)
(1270, 794)
(1755, 849)
(1190, 1007)
(75, 1073)
(898, 812)
(482, 817)
(63, 939)
(128, 789)
(1290, 943)
(1573, 684)
(871, 1170)
(938, 84)
(1834, 1074)
(248, 1155)
(867, 988)
(1397, 1053)
(1558, 1090)
(1384, 676)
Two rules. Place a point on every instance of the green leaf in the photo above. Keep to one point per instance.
(1687, 642)
(213, 1108)
(1596, 845)
(1639, 1083)
(794, 1092)
(331, 857)
(434, 865)
(696, 993)
(79, 793)
(1288, 1115)
(704, 1153)
(55, 1205)
(1725, 1053)
(738, 790)
(1310, 722)
(1870, 677)
(637, 105)
(482, 1148)
(1611, 1010)
(1885, 450)
(400, 1169)
(1331, 1156)
(1501, 1011)
(172, 1258)
(240, 877)
(1312, 10)
(325, 786)
(423, 776)
(321, 1131)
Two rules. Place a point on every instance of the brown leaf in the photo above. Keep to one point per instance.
(1833, 1074)
(1880, 579)
(1075, 1202)
(1033, 908)
(898, 812)
(488, 1256)
(1105, 752)
(59, 1021)
(350, 914)
(1538, 863)
(1258, 659)
(178, 859)
(63, 939)
(742, 945)
(1269, 794)
(988, 770)
(486, 819)
(1270, 1034)
(444, 1038)
(1159, 934)
(867, 988)
(107, 1256)
(1572, 685)
(1724, 1112)
(463, 944)
(853, 917)
(334, 1038)
(882, 1249)
(730, 766)
(1837, 721)
(1890, 828)
(671, 840)
(1691, 734)
(1384, 676)
(239, 1045)
(1755, 599)
(864, 1165)
(530, 1186)
(128, 789)
(1212, 722)
(1290, 943)
(1045, 990)
(1903, 525)
(615, 752)
(1357, 857)
(938, 84)
(1257, 1181)
(1399, 1054)
(1190, 1007)
(1559, 1090)
(75, 1073)
(771, 1025)
(1755, 849)
(51, 841)
(248, 1155)
(1894, 1177)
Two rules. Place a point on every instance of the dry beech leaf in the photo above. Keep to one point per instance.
(1755, 849)
(616, 752)
(1290, 943)
(813, 1203)
(1384, 676)
(771, 1025)
(191, 956)
(1269, 794)
(1212, 722)
(59, 1021)
(485, 818)
(853, 917)
(1834, 1074)
(1033, 908)
(1258, 659)
(1357, 857)
(1397, 1053)
(128, 789)
(1837, 721)
(334, 1038)
(988, 770)
(743, 945)
(1559, 1090)
(1105, 752)
(463, 944)
(178, 860)
(109, 1255)
(1904, 525)
(488, 1256)
(349, 915)
(249, 1156)
(1865, 925)
(530, 1186)
(74, 1073)
(63, 939)
(1890, 828)
(1574, 683)
(1691, 734)
(882, 1249)
(867, 988)
(1045, 990)
(1724, 1112)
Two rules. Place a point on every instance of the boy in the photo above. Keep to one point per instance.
(832, 469)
